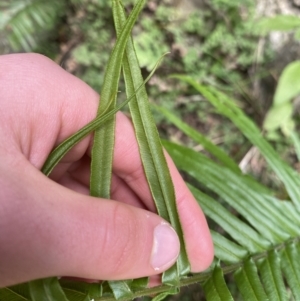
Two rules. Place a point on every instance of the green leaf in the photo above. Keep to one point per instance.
(15, 293)
(215, 287)
(226, 250)
(120, 289)
(289, 214)
(162, 296)
(139, 283)
(47, 289)
(106, 291)
(95, 290)
(289, 83)
(248, 282)
(102, 151)
(252, 205)
(271, 276)
(238, 230)
(154, 162)
(290, 264)
(201, 139)
(227, 107)
(280, 114)
(279, 23)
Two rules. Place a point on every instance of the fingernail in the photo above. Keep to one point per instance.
(165, 248)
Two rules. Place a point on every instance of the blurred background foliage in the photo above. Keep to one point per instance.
(205, 41)
(213, 41)
(223, 43)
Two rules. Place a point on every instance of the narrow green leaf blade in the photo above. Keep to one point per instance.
(226, 250)
(171, 276)
(296, 140)
(241, 232)
(61, 150)
(290, 264)
(271, 276)
(248, 282)
(201, 139)
(151, 151)
(47, 289)
(289, 214)
(215, 288)
(120, 289)
(139, 283)
(102, 151)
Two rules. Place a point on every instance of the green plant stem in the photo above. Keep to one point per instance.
(201, 277)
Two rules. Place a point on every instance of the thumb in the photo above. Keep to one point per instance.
(49, 230)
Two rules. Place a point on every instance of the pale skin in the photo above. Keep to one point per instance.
(51, 226)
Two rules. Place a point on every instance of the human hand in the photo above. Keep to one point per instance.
(51, 226)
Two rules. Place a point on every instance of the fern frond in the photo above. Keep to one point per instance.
(23, 24)
(258, 244)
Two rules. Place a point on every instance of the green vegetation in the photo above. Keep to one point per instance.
(207, 43)
(255, 227)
